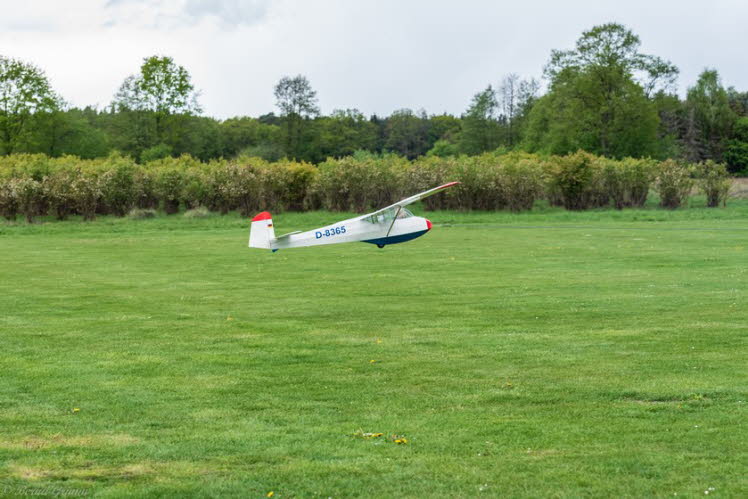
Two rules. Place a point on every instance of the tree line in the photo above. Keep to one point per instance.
(603, 96)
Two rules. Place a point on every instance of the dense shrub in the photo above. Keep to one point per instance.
(87, 194)
(359, 183)
(575, 181)
(195, 189)
(480, 183)
(220, 188)
(36, 166)
(431, 171)
(273, 186)
(29, 196)
(522, 183)
(168, 185)
(33, 184)
(714, 182)
(627, 181)
(169, 178)
(59, 193)
(302, 177)
(245, 188)
(674, 183)
(118, 188)
(8, 200)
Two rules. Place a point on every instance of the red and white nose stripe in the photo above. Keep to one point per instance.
(428, 224)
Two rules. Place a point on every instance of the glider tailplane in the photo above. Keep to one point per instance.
(261, 232)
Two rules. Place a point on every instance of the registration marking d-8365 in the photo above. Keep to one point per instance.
(335, 231)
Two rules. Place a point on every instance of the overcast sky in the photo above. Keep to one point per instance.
(374, 55)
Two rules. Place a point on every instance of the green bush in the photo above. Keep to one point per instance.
(35, 166)
(221, 190)
(87, 194)
(301, 179)
(673, 183)
(168, 185)
(245, 188)
(58, 190)
(359, 183)
(273, 187)
(195, 188)
(29, 195)
(714, 182)
(522, 184)
(144, 189)
(575, 181)
(169, 177)
(33, 184)
(119, 192)
(428, 172)
(8, 199)
(481, 179)
(627, 182)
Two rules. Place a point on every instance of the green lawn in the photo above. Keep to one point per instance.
(543, 354)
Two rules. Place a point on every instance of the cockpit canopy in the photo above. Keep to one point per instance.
(388, 215)
(404, 213)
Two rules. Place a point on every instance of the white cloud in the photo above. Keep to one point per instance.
(229, 12)
(171, 14)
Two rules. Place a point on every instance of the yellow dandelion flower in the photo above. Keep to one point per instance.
(270, 494)
(372, 361)
(75, 409)
(401, 441)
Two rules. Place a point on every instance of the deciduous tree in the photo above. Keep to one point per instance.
(25, 93)
(598, 98)
(161, 89)
(406, 133)
(480, 128)
(609, 49)
(516, 97)
(709, 106)
(297, 102)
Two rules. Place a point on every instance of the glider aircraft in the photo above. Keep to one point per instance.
(391, 225)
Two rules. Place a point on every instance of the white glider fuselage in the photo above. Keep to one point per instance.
(391, 225)
(380, 232)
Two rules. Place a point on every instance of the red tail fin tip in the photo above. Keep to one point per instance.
(262, 216)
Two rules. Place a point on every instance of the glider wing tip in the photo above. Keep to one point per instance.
(448, 184)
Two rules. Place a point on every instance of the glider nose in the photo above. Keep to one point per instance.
(428, 224)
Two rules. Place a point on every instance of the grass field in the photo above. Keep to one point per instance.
(543, 354)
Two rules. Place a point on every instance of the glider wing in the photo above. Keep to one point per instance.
(412, 199)
(423, 195)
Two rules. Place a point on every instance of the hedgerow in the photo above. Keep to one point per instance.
(34, 184)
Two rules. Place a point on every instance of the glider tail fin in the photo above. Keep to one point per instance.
(261, 232)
